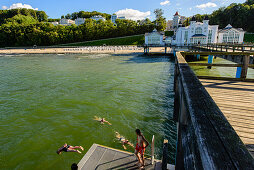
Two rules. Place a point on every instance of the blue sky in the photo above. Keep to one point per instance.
(134, 9)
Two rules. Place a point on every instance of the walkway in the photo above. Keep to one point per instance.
(236, 100)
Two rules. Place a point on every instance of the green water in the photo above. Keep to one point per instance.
(218, 71)
(47, 100)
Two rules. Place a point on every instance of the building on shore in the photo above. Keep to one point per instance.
(54, 23)
(98, 17)
(178, 20)
(79, 21)
(154, 38)
(115, 17)
(231, 35)
(203, 33)
(66, 22)
(196, 33)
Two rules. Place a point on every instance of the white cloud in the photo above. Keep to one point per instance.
(165, 3)
(4, 7)
(207, 5)
(19, 5)
(178, 4)
(133, 14)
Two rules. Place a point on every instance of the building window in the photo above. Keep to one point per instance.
(185, 36)
(210, 33)
(198, 30)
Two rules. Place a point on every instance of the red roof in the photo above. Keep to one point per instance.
(176, 13)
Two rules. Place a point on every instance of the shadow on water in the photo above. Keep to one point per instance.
(148, 59)
(162, 108)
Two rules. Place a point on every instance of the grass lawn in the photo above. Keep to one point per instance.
(131, 40)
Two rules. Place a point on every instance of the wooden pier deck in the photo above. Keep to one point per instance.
(236, 100)
(101, 158)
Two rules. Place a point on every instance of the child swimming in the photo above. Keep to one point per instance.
(69, 148)
(101, 120)
(123, 141)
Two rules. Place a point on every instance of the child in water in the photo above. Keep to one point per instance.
(123, 141)
(69, 148)
(101, 120)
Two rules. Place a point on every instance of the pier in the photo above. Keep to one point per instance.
(206, 135)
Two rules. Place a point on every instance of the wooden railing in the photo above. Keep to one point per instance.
(205, 139)
(244, 59)
(225, 47)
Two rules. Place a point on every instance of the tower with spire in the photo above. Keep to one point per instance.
(176, 20)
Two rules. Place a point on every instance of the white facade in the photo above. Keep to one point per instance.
(114, 17)
(196, 33)
(231, 35)
(98, 17)
(79, 21)
(54, 23)
(154, 38)
(64, 21)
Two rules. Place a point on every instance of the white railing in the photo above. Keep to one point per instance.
(152, 150)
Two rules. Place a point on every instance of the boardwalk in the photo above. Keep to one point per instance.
(101, 158)
(236, 101)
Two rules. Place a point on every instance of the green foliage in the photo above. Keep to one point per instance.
(238, 15)
(53, 20)
(133, 40)
(24, 27)
(169, 33)
(160, 21)
(21, 19)
(86, 14)
(38, 15)
(249, 38)
(44, 34)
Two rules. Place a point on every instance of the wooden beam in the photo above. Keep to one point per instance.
(225, 78)
(217, 65)
(219, 53)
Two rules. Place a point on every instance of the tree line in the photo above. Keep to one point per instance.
(26, 27)
(239, 15)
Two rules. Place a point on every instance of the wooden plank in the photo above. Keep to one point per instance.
(237, 105)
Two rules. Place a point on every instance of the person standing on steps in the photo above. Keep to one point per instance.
(140, 148)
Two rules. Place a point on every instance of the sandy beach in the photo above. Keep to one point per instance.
(81, 50)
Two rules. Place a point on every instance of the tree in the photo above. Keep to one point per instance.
(158, 13)
(160, 21)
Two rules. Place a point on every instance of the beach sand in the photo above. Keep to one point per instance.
(78, 51)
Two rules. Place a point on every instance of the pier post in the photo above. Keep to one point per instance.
(198, 56)
(165, 50)
(144, 50)
(174, 53)
(244, 70)
(238, 72)
(165, 155)
(210, 61)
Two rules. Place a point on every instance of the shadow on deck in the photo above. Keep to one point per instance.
(100, 158)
